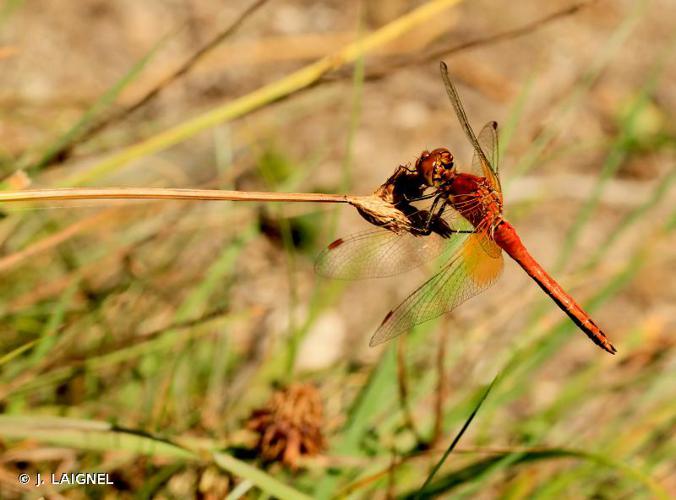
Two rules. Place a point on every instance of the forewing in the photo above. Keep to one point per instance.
(483, 158)
(469, 271)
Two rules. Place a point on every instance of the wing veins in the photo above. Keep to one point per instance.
(431, 295)
(460, 112)
(454, 97)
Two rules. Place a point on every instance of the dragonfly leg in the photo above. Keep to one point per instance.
(440, 227)
(420, 198)
(434, 223)
(433, 210)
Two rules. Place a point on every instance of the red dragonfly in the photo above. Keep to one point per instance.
(465, 222)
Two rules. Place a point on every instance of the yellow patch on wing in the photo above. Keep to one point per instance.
(481, 267)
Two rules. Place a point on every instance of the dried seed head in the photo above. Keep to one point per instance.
(289, 425)
(389, 205)
(381, 212)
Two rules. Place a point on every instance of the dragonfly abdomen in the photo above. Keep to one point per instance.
(506, 237)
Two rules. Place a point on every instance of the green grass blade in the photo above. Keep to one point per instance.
(102, 436)
(456, 440)
(261, 479)
(88, 435)
(477, 469)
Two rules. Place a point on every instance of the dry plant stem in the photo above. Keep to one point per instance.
(167, 194)
(377, 210)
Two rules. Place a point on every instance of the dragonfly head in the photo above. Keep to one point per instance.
(436, 167)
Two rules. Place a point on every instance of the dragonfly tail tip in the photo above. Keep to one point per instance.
(607, 346)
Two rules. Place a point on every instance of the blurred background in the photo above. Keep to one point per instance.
(161, 341)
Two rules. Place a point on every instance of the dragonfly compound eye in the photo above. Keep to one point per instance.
(446, 159)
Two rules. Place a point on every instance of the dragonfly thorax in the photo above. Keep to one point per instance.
(475, 199)
(436, 168)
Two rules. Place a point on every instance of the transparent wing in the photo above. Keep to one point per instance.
(486, 159)
(380, 253)
(488, 140)
(468, 272)
(377, 254)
